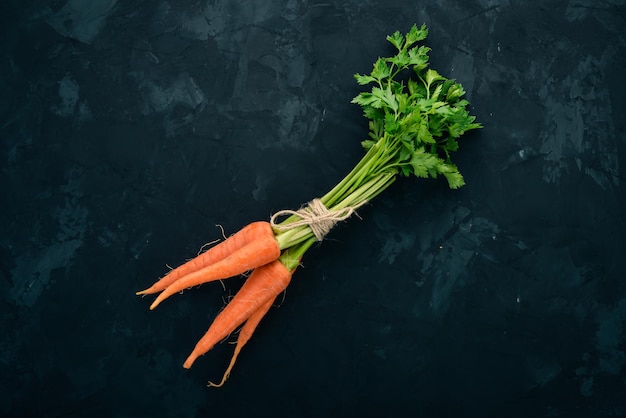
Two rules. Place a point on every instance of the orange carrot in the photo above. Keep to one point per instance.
(244, 336)
(263, 285)
(253, 255)
(233, 243)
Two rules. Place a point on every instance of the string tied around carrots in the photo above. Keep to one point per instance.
(316, 216)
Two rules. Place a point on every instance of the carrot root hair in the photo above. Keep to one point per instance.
(255, 254)
(244, 336)
(249, 233)
(249, 304)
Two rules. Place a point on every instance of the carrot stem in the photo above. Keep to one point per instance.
(356, 192)
(292, 256)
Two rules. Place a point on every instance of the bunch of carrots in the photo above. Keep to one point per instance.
(414, 124)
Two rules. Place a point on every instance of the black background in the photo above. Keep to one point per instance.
(129, 130)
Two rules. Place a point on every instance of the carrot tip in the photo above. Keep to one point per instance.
(216, 385)
(147, 291)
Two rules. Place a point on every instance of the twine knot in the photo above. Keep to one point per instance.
(316, 216)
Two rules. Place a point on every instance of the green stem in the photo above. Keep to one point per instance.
(364, 193)
(367, 179)
(297, 241)
(344, 186)
(292, 256)
(347, 184)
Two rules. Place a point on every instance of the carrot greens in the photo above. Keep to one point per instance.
(415, 119)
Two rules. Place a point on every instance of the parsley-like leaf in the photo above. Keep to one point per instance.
(381, 69)
(416, 35)
(414, 122)
(364, 79)
(396, 39)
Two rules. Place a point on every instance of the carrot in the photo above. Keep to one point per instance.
(244, 336)
(255, 254)
(233, 243)
(263, 285)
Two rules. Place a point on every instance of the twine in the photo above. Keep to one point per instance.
(316, 216)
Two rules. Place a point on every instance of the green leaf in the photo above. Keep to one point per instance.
(416, 90)
(452, 145)
(424, 105)
(374, 114)
(368, 143)
(391, 124)
(396, 87)
(446, 85)
(434, 125)
(407, 151)
(403, 101)
(460, 122)
(424, 164)
(390, 99)
(366, 99)
(396, 39)
(432, 76)
(401, 60)
(411, 122)
(454, 177)
(376, 128)
(416, 35)
(455, 93)
(442, 109)
(406, 170)
(364, 79)
(435, 94)
(424, 135)
(418, 57)
(474, 125)
(381, 69)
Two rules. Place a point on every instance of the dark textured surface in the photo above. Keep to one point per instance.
(129, 129)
